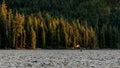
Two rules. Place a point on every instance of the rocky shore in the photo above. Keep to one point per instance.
(59, 59)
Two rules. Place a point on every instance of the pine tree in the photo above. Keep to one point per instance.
(103, 38)
(10, 27)
(3, 23)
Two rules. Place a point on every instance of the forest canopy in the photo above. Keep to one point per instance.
(94, 24)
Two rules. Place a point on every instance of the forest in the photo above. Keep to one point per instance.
(60, 24)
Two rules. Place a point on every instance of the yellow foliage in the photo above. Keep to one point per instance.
(19, 21)
(43, 37)
(30, 21)
(33, 38)
(10, 18)
(86, 37)
(92, 32)
(39, 16)
(3, 11)
(35, 23)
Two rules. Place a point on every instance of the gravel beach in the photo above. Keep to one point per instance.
(59, 59)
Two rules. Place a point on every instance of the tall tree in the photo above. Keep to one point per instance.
(18, 30)
(10, 27)
(33, 38)
(3, 17)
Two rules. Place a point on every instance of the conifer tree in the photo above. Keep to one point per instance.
(3, 18)
(103, 38)
(10, 27)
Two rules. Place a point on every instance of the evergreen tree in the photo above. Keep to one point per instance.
(99, 29)
(3, 23)
(10, 27)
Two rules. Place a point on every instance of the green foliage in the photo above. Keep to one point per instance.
(44, 30)
(102, 11)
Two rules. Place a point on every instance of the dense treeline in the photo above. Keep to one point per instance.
(93, 11)
(18, 30)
